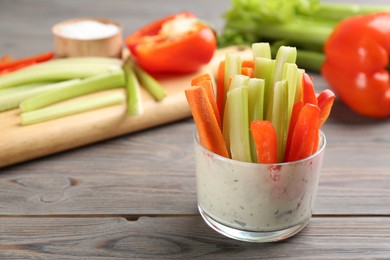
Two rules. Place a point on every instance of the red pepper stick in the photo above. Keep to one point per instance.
(294, 118)
(325, 102)
(308, 93)
(15, 68)
(305, 136)
(221, 88)
(207, 84)
(5, 59)
(209, 132)
(37, 58)
(264, 135)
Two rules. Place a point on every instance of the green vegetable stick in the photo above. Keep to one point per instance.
(261, 49)
(239, 124)
(290, 74)
(298, 92)
(63, 110)
(57, 72)
(12, 97)
(107, 80)
(232, 67)
(134, 100)
(263, 70)
(279, 116)
(255, 110)
(150, 84)
(284, 55)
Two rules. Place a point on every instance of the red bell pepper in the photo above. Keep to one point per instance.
(264, 135)
(178, 43)
(325, 102)
(357, 56)
(304, 139)
(308, 93)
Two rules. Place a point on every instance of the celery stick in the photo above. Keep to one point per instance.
(239, 124)
(255, 107)
(226, 125)
(261, 50)
(284, 55)
(232, 67)
(279, 116)
(134, 100)
(63, 110)
(263, 70)
(107, 80)
(57, 72)
(150, 84)
(298, 92)
(84, 60)
(290, 74)
(11, 97)
(239, 81)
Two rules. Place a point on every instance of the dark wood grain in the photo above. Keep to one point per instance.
(185, 238)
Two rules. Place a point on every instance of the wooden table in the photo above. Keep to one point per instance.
(134, 196)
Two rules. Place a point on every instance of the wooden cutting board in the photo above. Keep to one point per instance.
(20, 143)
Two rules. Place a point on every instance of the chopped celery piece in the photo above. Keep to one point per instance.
(11, 97)
(226, 125)
(298, 92)
(290, 75)
(55, 72)
(279, 116)
(150, 84)
(284, 55)
(263, 70)
(232, 67)
(239, 124)
(107, 80)
(134, 100)
(63, 110)
(84, 60)
(239, 81)
(262, 50)
(255, 107)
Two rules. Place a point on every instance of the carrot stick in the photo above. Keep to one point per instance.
(247, 71)
(248, 64)
(221, 88)
(264, 135)
(208, 86)
(37, 58)
(209, 132)
(196, 80)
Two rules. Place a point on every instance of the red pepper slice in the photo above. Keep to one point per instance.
(309, 94)
(264, 135)
(179, 43)
(304, 139)
(357, 56)
(325, 102)
(26, 61)
(293, 121)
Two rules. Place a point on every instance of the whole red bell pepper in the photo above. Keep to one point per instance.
(356, 65)
(178, 43)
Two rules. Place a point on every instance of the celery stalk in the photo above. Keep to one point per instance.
(107, 80)
(239, 124)
(54, 72)
(255, 107)
(239, 81)
(298, 93)
(263, 70)
(279, 116)
(261, 49)
(134, 100)
(83, 60)
(49, 113)
(290, 74)
(150, 84)
(284, 55)
(232, 67)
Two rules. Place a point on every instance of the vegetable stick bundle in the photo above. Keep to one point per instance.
(264, 111)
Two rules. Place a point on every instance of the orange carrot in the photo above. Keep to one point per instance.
(37, 58)
(210, 134)
(221, 88)
(208, 86)
(247, 71)
(200, 78)
(264, 135)
(248, 64)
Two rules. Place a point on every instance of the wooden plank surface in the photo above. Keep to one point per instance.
(74, 204)
(185, 238)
